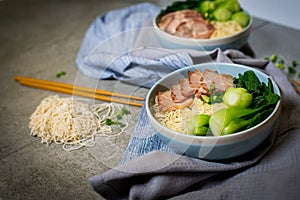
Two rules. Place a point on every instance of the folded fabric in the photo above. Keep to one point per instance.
(121, 45)
(151, 170)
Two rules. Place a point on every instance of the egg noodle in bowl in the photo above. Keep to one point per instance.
(199, 94)
(177, 119)
(75, 124)
(224, 29)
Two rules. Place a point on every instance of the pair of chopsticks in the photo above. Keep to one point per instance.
(296, 84)
(79, 91)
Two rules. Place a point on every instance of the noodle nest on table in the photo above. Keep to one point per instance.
(72, 123)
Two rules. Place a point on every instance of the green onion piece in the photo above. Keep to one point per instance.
(291, 70)
(108, 122)
(294, 63)
(59, 74)
(280, 66)
(273, 58)
(124, 111)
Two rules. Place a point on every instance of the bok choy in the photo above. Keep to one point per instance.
(240, 113)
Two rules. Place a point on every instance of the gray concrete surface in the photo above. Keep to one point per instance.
(39, 38)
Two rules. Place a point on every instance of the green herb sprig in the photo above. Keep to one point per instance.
(119, 116)
(60, 74)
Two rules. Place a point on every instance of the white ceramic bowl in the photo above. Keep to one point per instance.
(212, 147)
(235, 41)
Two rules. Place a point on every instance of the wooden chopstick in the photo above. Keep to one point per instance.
(77, 90)
(297, 84)
(74, 87)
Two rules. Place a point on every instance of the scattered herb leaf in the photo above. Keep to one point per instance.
(280, 63)
(294, 63)
(291, 70)
(124, 111)
(108, 122)
(59, 74)
(272, 58)
(280, 66)
(119, 116)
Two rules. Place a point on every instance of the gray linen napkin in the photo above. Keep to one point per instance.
(151, 170)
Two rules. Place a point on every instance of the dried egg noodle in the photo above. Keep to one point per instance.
(224, 29)
(177, 119)
(72, 123)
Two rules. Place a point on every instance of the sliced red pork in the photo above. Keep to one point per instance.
(220, 81)
(165, 101)
(195, 85)
(167, 104)
(186, 89)
(177, 95)
(186, 23)
(197, 82)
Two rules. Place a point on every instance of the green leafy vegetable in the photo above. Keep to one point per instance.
(180, 5)
(233, 119)
(237, 97)
(231, 5)
(199, 125)
(241, 18)
(207, 6)
(240, 117)
(222, 14)
(229, 120)
(263, 94)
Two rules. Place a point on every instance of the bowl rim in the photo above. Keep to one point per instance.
(209, 41)
(222, 139)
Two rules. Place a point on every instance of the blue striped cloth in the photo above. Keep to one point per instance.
(108, 48)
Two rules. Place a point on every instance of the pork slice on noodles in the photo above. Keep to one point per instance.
(196, 81)
(227, 80)
(180, 100)
(165, 101)
(177, 95)
(195, 78)
(220, 82)
(186, 89)
(167, 104)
